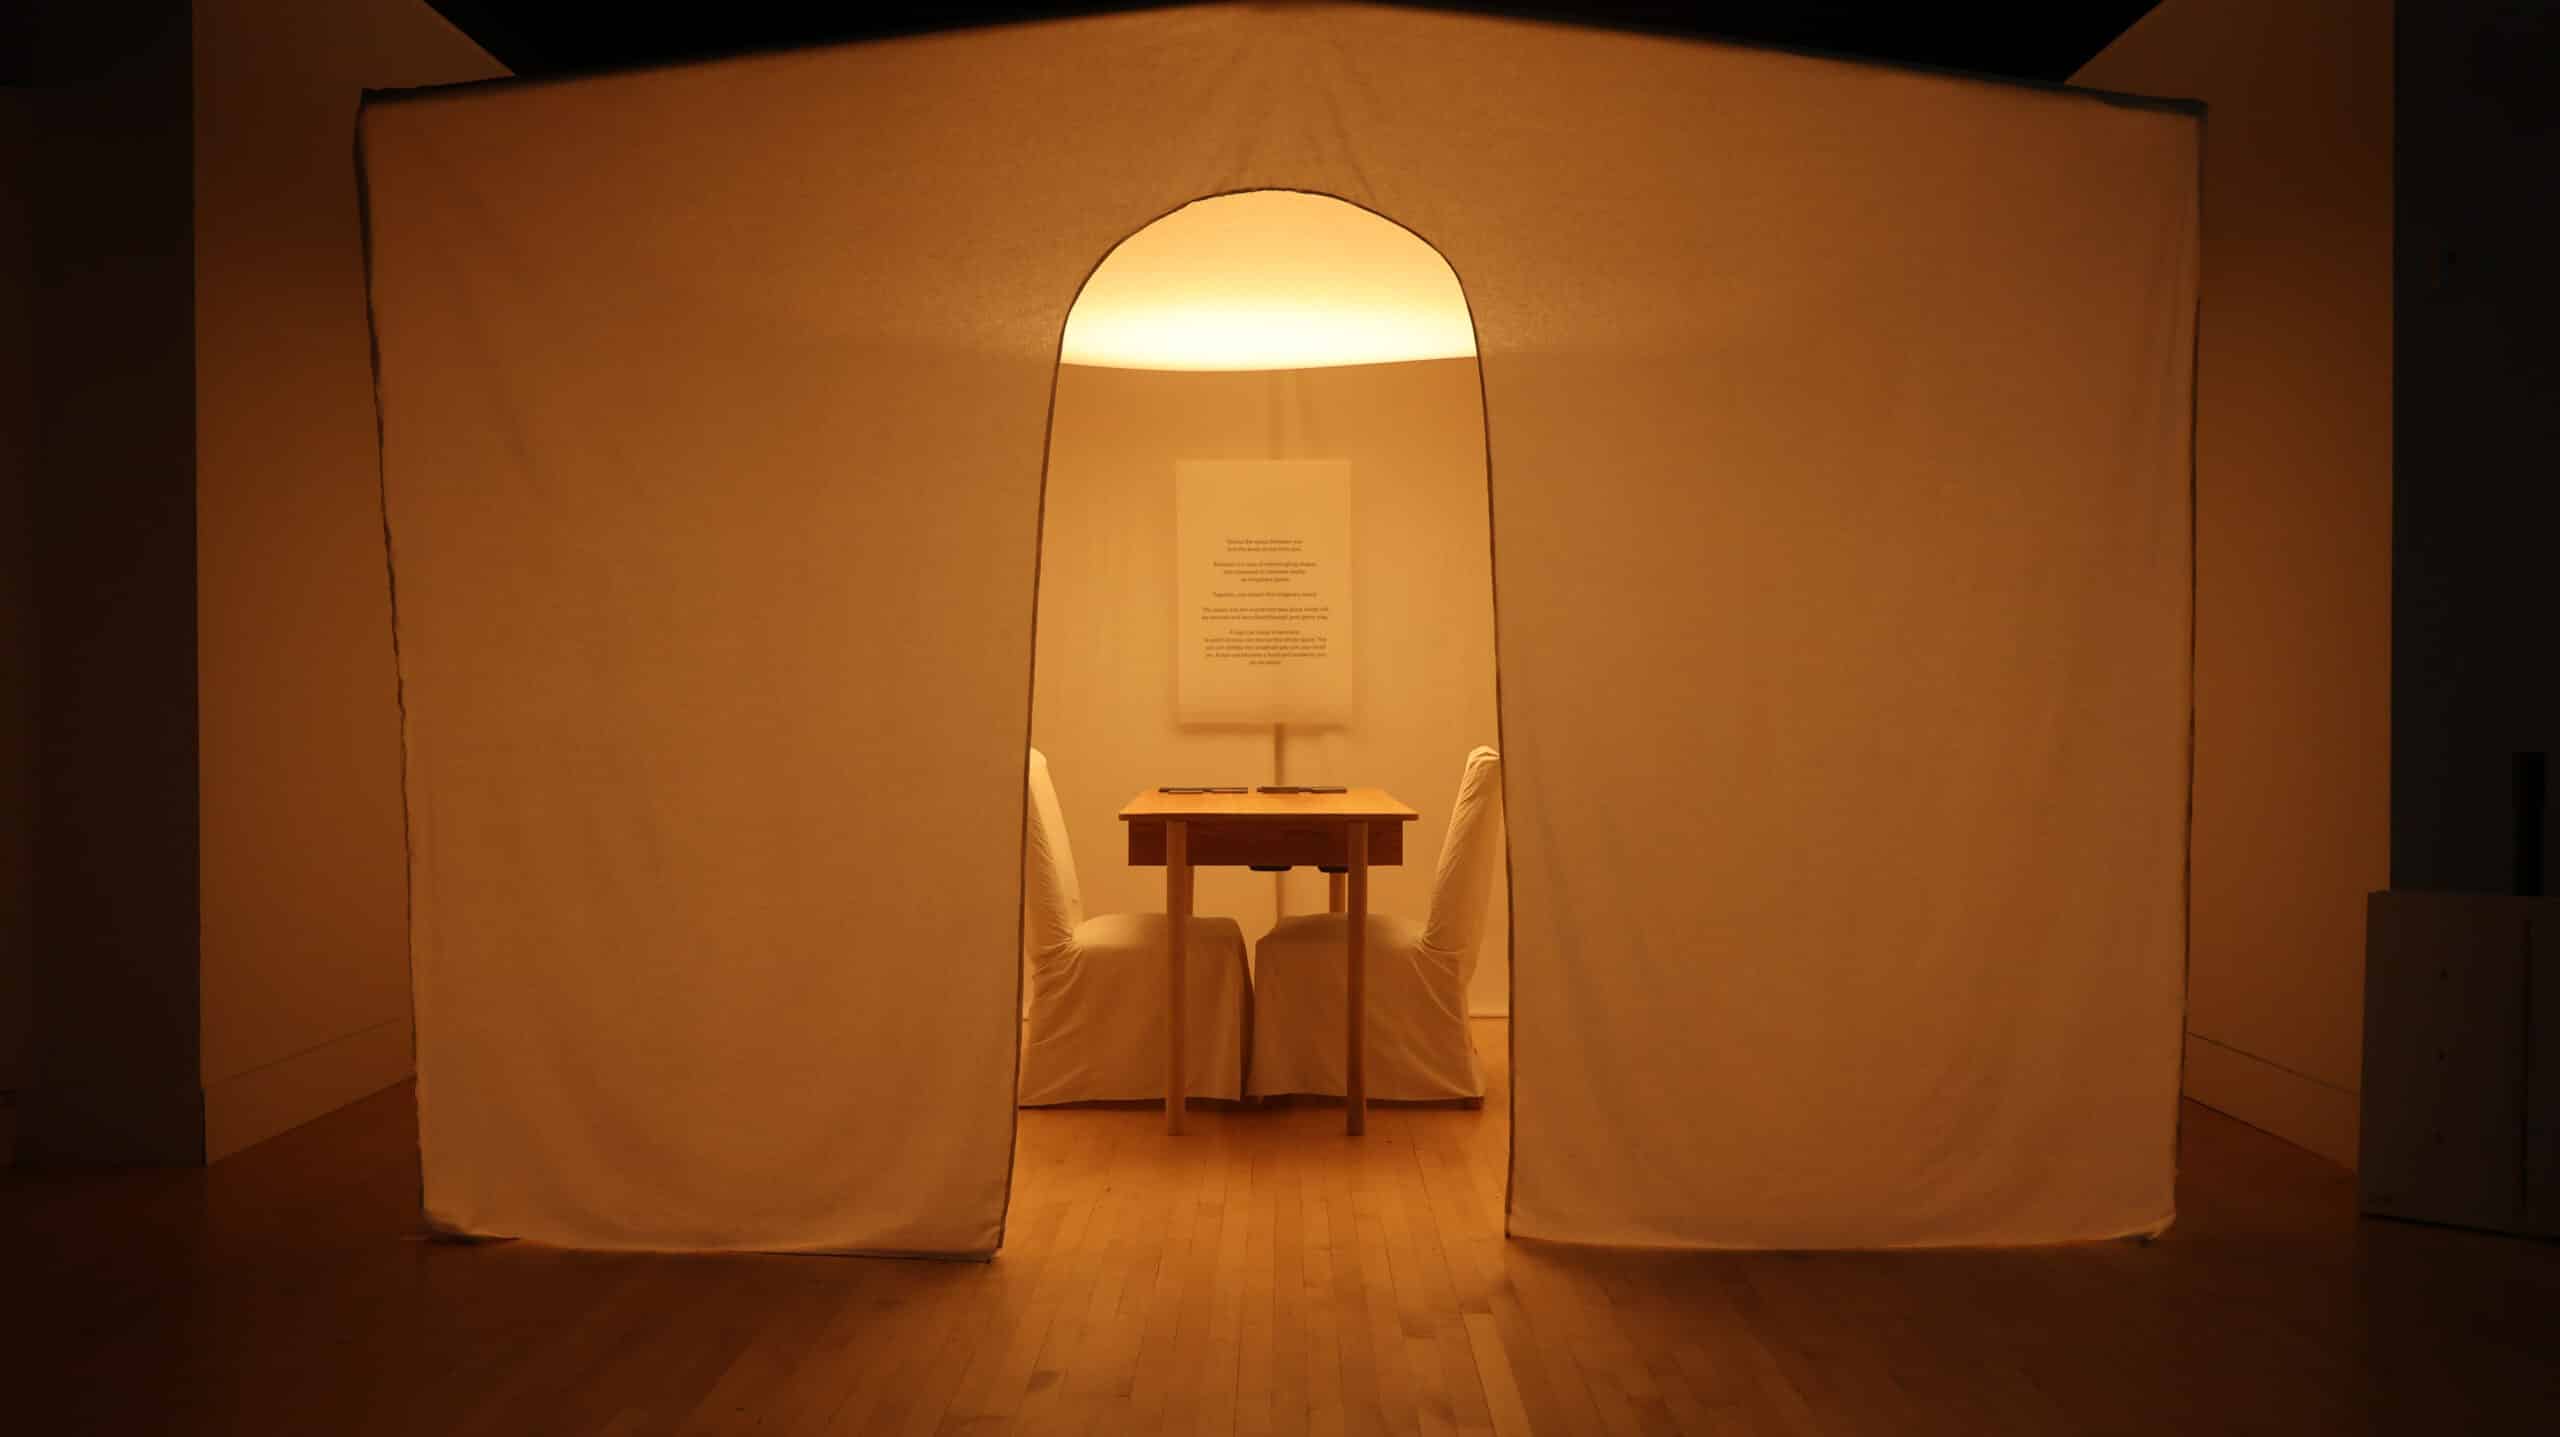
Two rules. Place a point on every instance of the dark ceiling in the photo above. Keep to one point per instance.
(2046, 41)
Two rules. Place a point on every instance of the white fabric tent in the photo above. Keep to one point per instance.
(1838, 421)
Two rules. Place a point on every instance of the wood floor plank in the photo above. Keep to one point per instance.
(1263, 1274)
(1290, 1374)
(1508, 1414)
(849, 1351)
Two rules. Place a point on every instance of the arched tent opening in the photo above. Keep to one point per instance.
(1265, 564)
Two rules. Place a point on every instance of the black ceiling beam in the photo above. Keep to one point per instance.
(2046, 42)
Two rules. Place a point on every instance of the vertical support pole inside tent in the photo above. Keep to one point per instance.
(1355, 1087)
(1279, 775)
(1177, 929)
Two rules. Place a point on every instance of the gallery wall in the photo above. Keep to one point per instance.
(2293, 540)
(112, 1051)
(17, 601)
(305, 971)
(2475, 625)
(1103, 705)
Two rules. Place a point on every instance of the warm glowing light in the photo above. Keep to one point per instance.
(1269, 280)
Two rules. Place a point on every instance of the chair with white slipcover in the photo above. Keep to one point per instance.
(1094, 1028)
(1419, 1048)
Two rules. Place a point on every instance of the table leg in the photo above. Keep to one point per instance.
(1333, 893)
(1355, 1090)
(1177, 911)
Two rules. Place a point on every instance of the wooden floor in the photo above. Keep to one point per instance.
(1265, 1274)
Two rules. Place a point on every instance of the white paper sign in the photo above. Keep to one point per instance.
(1262, 628)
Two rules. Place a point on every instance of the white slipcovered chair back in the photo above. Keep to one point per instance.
(1469, 857)
(1052, 904)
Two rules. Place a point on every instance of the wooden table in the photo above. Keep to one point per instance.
(1341, 833)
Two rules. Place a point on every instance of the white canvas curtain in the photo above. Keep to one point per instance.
(1838, 430)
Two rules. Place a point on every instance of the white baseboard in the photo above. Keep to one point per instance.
(254, 1106)
(2303, 1111)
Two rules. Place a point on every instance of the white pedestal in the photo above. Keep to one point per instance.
(2461, 1088)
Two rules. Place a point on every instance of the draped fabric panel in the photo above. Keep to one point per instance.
(1837, 422)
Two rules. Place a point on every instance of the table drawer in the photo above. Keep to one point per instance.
(1268, 843)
